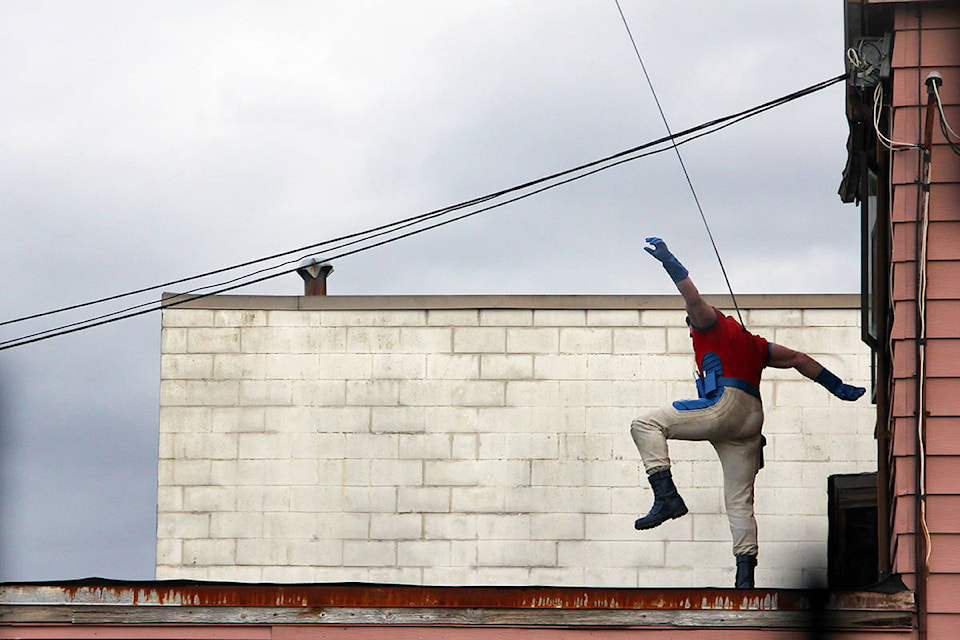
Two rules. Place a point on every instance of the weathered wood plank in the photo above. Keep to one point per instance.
(449, 616)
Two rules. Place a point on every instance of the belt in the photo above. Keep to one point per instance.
(743, 385)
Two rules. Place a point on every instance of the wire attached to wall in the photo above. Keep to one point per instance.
(683, 167)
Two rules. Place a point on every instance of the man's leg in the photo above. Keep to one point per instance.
(650, 434)
(740, 460)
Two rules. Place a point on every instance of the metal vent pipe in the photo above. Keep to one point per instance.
(314, 274)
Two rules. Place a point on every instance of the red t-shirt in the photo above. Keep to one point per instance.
(742, 354)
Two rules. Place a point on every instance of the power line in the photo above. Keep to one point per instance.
(683, 167)
(548, 182)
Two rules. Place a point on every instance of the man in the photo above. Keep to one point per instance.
(728, 413)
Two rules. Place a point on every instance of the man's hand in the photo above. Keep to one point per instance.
(837, 387)
(675, 270)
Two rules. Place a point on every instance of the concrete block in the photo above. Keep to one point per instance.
(293, 340)
(423, 500)
(426, 340)
(557, 526)
(291, 472)
(426, 446)
(266, 392)
(372, 339)
(315, 499)
(451, 419)
(503, 526)
(262, 552)
(313, 553)
(592, 340)
(450, 526)
(558, 473)
(340, 419)
(452, 393)
(370, 445)
(169, 498)
(453, 317)
(180, 317)
(292, 318)
(186, 366)
(574, 393)
(199, 393)
(559, 317)
(210, 340)
(506, 367)
(532, 393)
(169, 552)
(185, 419)
(534, 340)
(239, 366)
(208, 499)
(397, 420)
(374, 500)
(173, 340)
(369, 553)
(289, 526)
(186, 472)
(236, 525)
(482, 499)
(209, 552)
(613, 317)
(394, 473)
(441, 366)
(183, 526)
(479, 339)
(759, 318)
(399, 366)
(613, 367)
(257, 498)
(345, 366)
(372, 392)
(239, 318)
(560, 367)
(559, 576)
(396, 526)
(258, 446)
(516, 554)
(830, 318)
(614, 554)
(292, 366)
(374, 318)
(641, 341)
(422, 553)
(464, 447)
(525, 446)
(506, 317)
(663, 317)
(679, 342)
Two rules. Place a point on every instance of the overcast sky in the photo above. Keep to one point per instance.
(142, 142)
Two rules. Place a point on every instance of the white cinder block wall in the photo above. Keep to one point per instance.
(455, 441)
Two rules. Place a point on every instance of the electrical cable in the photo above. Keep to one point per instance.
(945, 127)
(594, 167)
(683, 167)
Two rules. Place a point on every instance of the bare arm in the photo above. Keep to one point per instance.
(785, 358)
(701, 314)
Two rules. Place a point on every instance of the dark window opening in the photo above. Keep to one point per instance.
(852, 548)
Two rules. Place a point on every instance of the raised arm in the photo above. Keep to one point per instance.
(785, 358)
(701, 314)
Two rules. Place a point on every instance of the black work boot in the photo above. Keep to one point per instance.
(745, 565)
(667, 503)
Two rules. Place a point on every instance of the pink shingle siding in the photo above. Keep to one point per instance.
(928, 33)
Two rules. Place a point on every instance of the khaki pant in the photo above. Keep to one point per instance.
(732, 426)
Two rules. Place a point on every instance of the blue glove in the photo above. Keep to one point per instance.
(834, 385)
(675, 270)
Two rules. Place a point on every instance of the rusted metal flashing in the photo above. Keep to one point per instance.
(108, 602)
